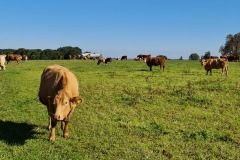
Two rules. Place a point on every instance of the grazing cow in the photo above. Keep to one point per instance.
(2, 62)
(13, 57)
(155, 61)
(108, 60)
(210, 64)
(104, 60)
(24, 57)
(59, 92)
(124, 58)
(101, 60)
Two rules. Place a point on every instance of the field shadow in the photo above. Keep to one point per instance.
(13, 133)
(145, 70)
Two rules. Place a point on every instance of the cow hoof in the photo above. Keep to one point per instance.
(66, 136)
(52, 139)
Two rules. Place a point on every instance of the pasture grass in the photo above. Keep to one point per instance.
(128, 112)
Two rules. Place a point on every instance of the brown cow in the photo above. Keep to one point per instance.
(24, 57)
(2, 62)
(155, 61)
(59, 92)
(104, 60)
(13, 57)
(101, 60)
(210, 64)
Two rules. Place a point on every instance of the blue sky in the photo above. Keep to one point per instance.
(120, 27)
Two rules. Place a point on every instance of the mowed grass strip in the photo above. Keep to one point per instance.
(128, 112)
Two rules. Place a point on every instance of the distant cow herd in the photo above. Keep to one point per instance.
(11, 57)
(59, 91)
(212, 63)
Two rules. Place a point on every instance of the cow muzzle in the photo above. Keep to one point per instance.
(58, 117)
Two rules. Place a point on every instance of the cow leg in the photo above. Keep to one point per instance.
(49, 123)
(150, 68)
(50, 111)
(52, 134)
(65, 130)
(62, 125)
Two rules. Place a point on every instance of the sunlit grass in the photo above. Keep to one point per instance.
(128, 112)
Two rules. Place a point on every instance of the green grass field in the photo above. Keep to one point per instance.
(128, 112)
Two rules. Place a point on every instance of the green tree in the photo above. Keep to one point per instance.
(194, 56)
(207, 55)
(35, 54)
(49, 54)
(231, 46)
(68, 50)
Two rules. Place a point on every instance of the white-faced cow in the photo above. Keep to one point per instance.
(59, 92)
(2, 62)
(210, 64)
(155, 61)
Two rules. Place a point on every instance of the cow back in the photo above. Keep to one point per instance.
(56, 78)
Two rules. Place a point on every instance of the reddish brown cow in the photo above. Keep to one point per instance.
(59, 92)
(13, 57)
(155, 61)
(210, 64)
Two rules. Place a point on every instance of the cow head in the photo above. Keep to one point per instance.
(204, 62)
(62, 105)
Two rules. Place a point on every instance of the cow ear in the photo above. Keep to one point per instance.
(76, 100)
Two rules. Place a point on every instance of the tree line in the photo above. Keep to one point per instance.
(46, 54)
(231, 48)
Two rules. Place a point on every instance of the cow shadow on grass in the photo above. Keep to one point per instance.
(13, 133)
(143, 70)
